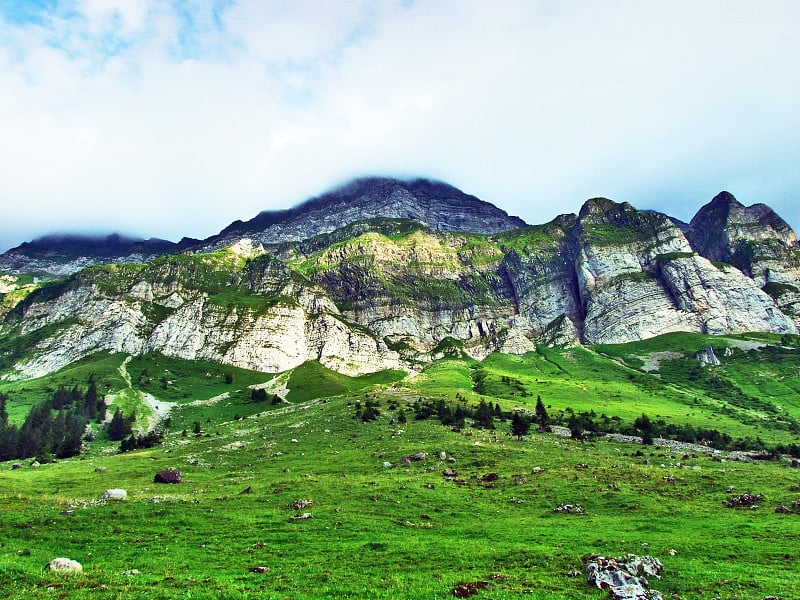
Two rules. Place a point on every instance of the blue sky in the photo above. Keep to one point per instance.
(170, 118)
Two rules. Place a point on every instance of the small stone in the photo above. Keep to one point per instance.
(114, 494)
(64, 565)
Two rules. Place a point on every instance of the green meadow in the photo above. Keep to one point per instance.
(382, 527)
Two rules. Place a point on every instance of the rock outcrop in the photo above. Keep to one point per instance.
(400, 283)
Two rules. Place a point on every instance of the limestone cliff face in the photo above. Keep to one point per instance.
(755, 240)
(396, 293)
(638, 277)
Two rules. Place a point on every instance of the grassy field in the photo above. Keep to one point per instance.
(381, 528)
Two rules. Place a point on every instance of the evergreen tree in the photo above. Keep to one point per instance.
(3, 410)
(575, 425)
(645, 427)
(542, 418)
(258, 395)
(484, 416)
(520, 425)
(9, 441)
(119, 427)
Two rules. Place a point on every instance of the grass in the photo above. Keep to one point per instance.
(377, 532)
(404, 530)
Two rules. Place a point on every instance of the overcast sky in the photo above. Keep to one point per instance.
(171, 118)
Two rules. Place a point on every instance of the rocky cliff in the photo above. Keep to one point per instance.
(396, 290)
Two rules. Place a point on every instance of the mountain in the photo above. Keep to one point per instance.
(385, 274)
(434, 204)
(63, 254)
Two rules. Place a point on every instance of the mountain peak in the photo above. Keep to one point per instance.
(435, 204)
(723, 224)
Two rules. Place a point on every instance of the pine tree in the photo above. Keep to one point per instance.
(542, 417)
(119, 427)
(520, 425)
(645, 426)
(3, 410)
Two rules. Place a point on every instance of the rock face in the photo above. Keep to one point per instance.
(434, 204)
(381, 274)
(756, 241)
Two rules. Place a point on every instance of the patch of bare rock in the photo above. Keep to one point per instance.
(624, 577)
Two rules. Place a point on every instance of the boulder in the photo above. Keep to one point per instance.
(64, 565)
(744, 500)
(114, 494)
(624, 576)
(168, 476)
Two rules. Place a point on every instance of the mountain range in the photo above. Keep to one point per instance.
(383, 273)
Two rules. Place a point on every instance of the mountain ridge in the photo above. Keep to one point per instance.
(378, 293)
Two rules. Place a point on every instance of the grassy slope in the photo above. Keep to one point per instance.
(392, 532)
(404, 531)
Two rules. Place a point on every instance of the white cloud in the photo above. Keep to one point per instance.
(169, 123)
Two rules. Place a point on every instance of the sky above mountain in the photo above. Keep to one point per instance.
(166, 119)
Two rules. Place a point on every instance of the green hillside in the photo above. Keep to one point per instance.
(382, 527)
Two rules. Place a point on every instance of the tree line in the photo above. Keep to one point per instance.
(55, 427)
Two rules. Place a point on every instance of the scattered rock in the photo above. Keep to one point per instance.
(247, 490)
(795, 464)
(101, 470)
(64, 565)
(294, 441)
(16, 466)
(570, 509)
(277, 491)
(168, 476)
(744, 500)
(238, 445)
(519, 480)
(782, 510)
(451, 460)
(387, 465)
(536, 470)
(624, 576)
(114, 494)
(465, 589)
(707, 357)
(442, 455)
(419, 456)
(259, 569)
(450, 473)
(301, 504)
(301, 516)
(36, 464)
(132, 573)
(490, 477)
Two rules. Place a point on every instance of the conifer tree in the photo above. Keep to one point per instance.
(520, 425)
(542, 418)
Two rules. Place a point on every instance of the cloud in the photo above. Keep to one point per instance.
(173, 119)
